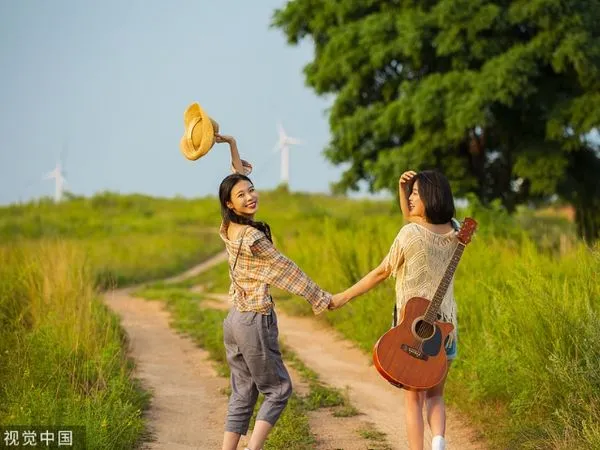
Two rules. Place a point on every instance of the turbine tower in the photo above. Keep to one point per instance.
(59, 182)
(283, 145)
(58, 175)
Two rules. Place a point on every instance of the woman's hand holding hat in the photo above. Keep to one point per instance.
(220, 138)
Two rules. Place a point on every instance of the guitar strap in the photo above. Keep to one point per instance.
(456, 225)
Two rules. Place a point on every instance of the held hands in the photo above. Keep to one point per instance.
(338, 300)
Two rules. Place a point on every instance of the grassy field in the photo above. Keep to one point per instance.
(125, 239)
(528, 298)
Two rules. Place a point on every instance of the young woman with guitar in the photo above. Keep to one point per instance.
(418, 258)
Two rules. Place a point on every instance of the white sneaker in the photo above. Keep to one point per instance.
(438, 443)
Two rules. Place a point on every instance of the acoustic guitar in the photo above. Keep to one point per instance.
(411, 355)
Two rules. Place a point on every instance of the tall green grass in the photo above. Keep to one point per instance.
(530, 341)
(62, 356)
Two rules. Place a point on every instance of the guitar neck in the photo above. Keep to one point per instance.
(436, 303)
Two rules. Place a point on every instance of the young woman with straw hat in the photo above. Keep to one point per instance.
(250, 330)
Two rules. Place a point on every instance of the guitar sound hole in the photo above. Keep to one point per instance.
(424, 329)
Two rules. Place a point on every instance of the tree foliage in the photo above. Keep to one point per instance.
(503, 96)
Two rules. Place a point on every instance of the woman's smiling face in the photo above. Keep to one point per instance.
(244, 199)
(415, 204)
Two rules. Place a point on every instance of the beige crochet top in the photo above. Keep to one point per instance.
(418, 259)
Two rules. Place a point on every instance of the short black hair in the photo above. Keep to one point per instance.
(436, 195)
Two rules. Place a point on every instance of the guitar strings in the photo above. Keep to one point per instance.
(424, 324)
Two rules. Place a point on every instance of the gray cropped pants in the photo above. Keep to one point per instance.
(251, 344)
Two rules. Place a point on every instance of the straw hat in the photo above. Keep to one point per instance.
(199, 134)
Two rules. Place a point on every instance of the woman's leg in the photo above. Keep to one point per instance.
(259, 434)
(243, 389)
(230, 440)
(436, 408)
(413, 405)
(272, 380)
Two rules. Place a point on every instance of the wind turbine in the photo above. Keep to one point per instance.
(283, 145)
(59, 180)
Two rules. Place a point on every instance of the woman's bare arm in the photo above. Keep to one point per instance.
(236, 161)
(403, 195)
(364, 285)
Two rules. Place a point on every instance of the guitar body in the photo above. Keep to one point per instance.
(407, 360)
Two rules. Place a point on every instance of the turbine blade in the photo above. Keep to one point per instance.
(282, 134)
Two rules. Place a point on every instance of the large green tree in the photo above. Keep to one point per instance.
(503, 96)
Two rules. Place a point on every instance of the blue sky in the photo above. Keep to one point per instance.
(109, 80)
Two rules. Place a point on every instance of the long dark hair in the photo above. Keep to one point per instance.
(228, 214)
(436, 195)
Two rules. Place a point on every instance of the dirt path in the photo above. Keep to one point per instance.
(213, 261)
(188, 408)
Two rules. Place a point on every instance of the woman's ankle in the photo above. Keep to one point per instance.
(438, 443)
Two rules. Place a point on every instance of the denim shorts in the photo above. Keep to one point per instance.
(452, 350)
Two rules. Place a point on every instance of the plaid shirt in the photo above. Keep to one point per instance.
(259, 265)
